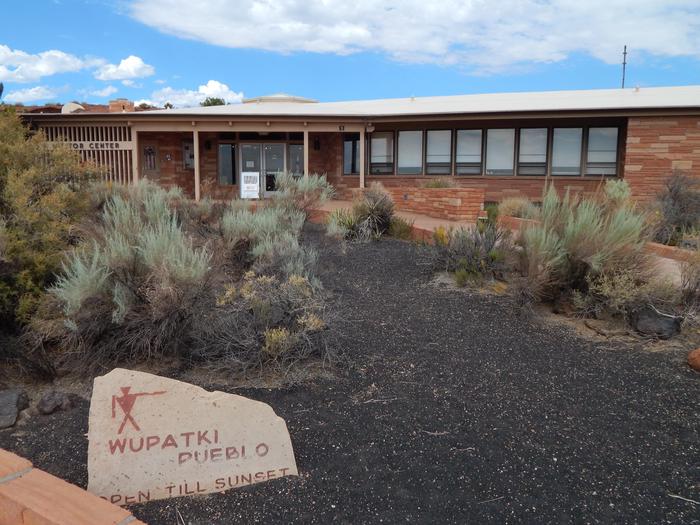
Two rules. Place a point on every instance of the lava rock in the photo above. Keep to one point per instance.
(12, 402)
(694, 359)
(52, 401)
(649, 321)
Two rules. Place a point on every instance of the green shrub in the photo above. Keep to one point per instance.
(462, 277)
(518, 207)
(341, 223)
(677, 208)
(492, 211)
(580, 242)
(301, 193)
(45, 193)
(480, 251)
(400, 228)
(130, 292)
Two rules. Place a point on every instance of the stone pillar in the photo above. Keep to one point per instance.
(362, 158)
(306, 153)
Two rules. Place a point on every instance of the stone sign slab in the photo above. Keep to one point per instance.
(152, 438)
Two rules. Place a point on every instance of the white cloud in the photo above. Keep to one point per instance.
(129, 68)
(30, 94)
(19, 66)
(105, 92)
(190, 98)
(482, 35)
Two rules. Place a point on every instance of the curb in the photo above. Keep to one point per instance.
(29, 496)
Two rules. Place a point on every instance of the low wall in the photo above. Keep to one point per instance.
(29, 496)
(454, 204)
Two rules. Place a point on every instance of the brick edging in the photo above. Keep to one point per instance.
(29, 495)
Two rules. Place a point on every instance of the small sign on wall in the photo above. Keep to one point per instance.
(250, 185)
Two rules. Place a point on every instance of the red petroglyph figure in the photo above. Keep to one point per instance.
(126, 402)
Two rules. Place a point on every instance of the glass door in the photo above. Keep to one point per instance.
(251, 170)
(273, 163)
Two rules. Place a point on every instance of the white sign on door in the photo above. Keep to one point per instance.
(250, 185)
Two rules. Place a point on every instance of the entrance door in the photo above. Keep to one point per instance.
(273, 163)
(251, 169)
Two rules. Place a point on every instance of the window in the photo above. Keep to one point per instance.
(351, 154)
(227, 164)
(410, 152)
(601, 158)
(149, 158)
(438, 158)
(188, 155)
(566, 151)
(532, 154)
(295, 164)
(382, 153)
(500, 148)
(468, 158)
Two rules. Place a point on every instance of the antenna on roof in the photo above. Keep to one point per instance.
(624, 65)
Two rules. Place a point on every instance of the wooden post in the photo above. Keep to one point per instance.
(306, 153)
(362, 158)
(135, 154)
(195, 145)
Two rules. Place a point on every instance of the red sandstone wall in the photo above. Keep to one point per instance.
(656, 146)
(454, 204)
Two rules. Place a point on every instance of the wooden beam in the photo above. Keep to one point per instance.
(306, 153)
(195, 145)
(135, 153)
(362, 158)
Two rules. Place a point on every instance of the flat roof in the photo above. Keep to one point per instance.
(608, 100)
(576, 100)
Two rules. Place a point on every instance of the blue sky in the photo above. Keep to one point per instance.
(182, 50)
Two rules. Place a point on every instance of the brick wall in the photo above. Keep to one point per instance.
(170, 170)
(656, 146)
(454, 204)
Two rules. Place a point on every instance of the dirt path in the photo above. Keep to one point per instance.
(456, 410)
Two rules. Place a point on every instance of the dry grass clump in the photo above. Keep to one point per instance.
(263, 321)
(518, 207)
(676, 211)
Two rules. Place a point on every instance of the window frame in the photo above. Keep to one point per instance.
(421, 158)
(390, 166)
(544, 165)
(482, 152)
(449, 164)
(516, 135)
(355, 152)
(582, 149)
(234, 160)
(615, 164)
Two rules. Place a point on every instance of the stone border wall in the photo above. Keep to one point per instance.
(453, 204)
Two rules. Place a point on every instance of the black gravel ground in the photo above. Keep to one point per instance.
(455, 409)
